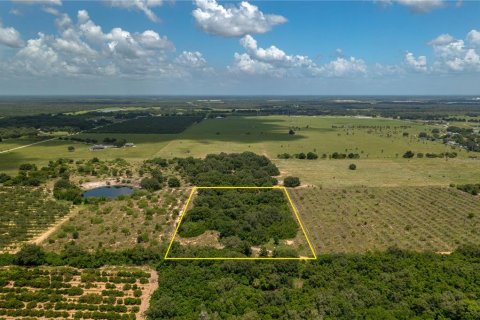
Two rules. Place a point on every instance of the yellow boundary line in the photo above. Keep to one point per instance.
(297, 216)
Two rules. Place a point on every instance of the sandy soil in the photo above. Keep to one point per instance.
(208, 238)
(147, 294)
(106, 182)
(44, 236)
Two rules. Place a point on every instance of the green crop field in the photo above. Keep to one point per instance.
(359, 219)
(69, 293)
(26, 212)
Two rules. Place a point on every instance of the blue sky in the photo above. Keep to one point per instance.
(262, 47)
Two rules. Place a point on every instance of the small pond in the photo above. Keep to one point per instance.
(111, 192)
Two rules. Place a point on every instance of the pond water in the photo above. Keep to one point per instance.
(111, 192)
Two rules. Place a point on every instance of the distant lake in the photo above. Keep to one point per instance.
(111, 192)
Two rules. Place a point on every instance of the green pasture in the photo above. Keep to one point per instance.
(383, 172)
(269, 135)
(380, 143)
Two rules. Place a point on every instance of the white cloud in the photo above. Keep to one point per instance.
(274, 55)
(191, 59)
(474, 37)
(84, 49)
(10, 37)
(143, 5)
(152, 40)
(16, 12)
(417, 6)
(233, 21)
(51, 11)
(442, 40)
(346, 66)
(275, 62)
(453, 54)
(43, 2)
(416, 64)
(243, 63)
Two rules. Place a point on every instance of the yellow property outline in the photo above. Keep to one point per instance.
(166, 257)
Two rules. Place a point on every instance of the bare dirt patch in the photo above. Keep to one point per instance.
(207, 239)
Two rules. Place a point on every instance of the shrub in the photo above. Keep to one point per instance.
(173, 182)
(150, 184)
(409, 154)
(291, 182)
(312, 156)
(352, 166)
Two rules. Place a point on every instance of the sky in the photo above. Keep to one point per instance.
(211, 47)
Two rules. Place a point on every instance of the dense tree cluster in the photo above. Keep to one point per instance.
(236, 169)
(391, 285)
(66, 190)
(16, 132)
(157, 124)
(410, 154)
(472, 188)
(252, 215)
(48, 122)
(464, 137)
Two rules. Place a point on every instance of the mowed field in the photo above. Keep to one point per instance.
(359, 219)
(379, 142)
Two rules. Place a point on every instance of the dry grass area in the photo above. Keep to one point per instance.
(358, 219)
(207, 239)
(114, 225)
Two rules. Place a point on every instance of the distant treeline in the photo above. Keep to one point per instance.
(48, 122)
(156, 124)
(410, 154)
(313, 156)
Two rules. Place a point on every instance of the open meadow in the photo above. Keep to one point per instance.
(380, 141)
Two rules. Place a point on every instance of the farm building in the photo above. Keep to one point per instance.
(96, 147)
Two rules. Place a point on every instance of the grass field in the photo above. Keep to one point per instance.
(146, 146)
(383, 172)
(359, 219)
(380, 140)
(371, 138)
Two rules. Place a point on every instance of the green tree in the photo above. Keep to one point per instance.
(173, 182)
(409, 154)
(150, 184)
(30, 255)
(291, 182)
(352, 166)
(312, 156)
